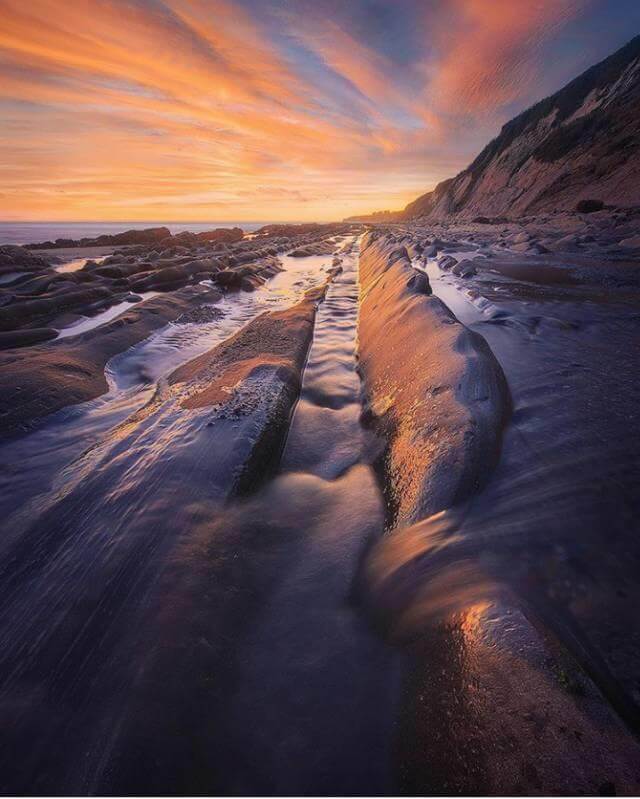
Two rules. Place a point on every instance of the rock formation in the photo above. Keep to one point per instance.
(576, 150)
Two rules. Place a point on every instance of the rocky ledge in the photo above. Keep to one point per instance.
(434, 390)
(36, 297)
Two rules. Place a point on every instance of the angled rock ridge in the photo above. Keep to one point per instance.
(581, 143)
(433, 389)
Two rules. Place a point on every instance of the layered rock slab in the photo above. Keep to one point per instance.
(212, 430)
(434, 389)
(249, 384)
(52, 376)
(494, 701)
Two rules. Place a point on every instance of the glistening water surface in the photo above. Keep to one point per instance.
(33, 464)
(145, 628)
(75, 264)
(271, 681)
(85, 323)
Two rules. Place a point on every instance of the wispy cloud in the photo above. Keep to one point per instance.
(219, 109)
(495, 55)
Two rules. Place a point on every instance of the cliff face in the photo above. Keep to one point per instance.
(581, 143)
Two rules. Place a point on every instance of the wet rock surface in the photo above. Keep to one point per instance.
(39, 291)
(189, 270)
(434, 390)
(218, 434)
(538, 567)
(37, 381)
(243, 571)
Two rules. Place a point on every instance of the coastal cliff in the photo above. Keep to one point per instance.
(578, 149)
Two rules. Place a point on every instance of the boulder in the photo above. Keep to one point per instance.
(589, 206)
(465, 268)
(447, 261)
(229, 278)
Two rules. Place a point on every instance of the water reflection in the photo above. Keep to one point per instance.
(75, 264)
(89, 323)
(32, 464)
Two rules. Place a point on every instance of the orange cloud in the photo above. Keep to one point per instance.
(194, 109)
(492, 56)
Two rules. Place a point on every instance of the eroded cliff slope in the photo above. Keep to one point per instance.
(582, 143)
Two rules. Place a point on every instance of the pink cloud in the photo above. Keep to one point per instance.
(489, 50)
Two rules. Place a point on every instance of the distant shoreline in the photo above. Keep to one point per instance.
(21, 233)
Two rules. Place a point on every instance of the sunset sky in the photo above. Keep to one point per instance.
(269, 109)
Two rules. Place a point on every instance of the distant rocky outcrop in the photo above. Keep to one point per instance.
(146, 236)
(305, 228)
(578, 150)
(152, 235)
(376, 216)
(13, 258)
(221, 234)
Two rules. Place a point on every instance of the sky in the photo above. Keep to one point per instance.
(199, 110)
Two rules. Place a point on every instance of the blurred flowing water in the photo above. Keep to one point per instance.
(151, 636)
(271, 680)
(33, 464)
(311, 710)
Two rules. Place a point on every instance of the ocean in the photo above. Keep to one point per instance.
(31, 232)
